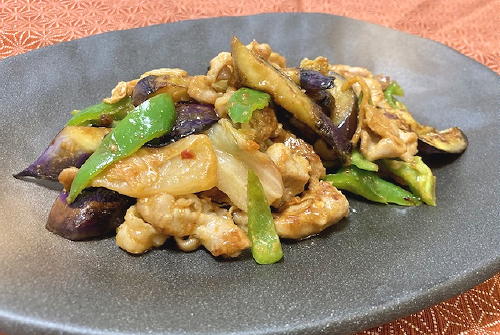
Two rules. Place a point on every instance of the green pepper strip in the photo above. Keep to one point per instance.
(370, 186)
(153, 118)
(92, 115)
(244, 102)
(266, 246)
(417, 175)
(358, 160)
(392, 90)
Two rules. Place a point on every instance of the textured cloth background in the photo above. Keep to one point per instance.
(470, 26)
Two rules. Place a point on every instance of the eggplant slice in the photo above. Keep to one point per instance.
(344, 110)
(71, 147)
(94, 213)
(151, 85)
(256, 73)
(311, 80)
(340, 105)
(192, 118)
(448, 141)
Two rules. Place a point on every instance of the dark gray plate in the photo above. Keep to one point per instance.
(382, 263)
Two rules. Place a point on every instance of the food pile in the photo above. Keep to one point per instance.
(237, 159)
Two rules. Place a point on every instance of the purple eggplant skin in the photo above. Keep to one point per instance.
(340, 106)
(451, 141)
(149, 86)
(143, 89)
(311, 80)
(344, 109)
(316, 86)
(191, 118)
(94, 213)
(71, 147)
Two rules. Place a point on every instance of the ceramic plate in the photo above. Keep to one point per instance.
(381, 263)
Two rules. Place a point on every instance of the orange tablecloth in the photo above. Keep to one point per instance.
(470, 26)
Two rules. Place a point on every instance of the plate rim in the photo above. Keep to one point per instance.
(286, 13)
(386, 312)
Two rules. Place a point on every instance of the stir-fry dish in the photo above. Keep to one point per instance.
(238, 158)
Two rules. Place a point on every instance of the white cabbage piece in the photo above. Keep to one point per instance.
(235, 155)
(183, 167)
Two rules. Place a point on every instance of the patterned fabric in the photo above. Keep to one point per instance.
(475, 312)
(469, 26)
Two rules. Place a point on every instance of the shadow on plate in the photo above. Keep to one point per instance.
(336, 228)
(439, 161)
(49, 184)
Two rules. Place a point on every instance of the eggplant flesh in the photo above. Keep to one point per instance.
(326, 91)
(71, 147)
(448, 141)
(151, 85)
(256, 73)
(95, 213)
(316, 86)
(341, 106)
(344, 109)
(192, 118)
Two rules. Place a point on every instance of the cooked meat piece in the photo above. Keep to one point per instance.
(66, 177)
(300, 147)
(377, 84)
(319, 207)
(171, 72)
(384, 81)
(262, 126)
(373, 83)
(277, 60)
(136, 236)
(374, 147)
(264, 50)
(219, 235)
(319, 64)
(221, 75)
(294, 169)
(121, 90)
(265, 123)
(126, 88)
(200, 90)
(376, 93)
(221, 102)
(240, 218)
(174, 216)
(385, 135)
(187, 244)
(198, 220)
(385, 132)
(350, 71)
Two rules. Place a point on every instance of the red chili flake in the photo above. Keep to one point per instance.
(186, 154)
